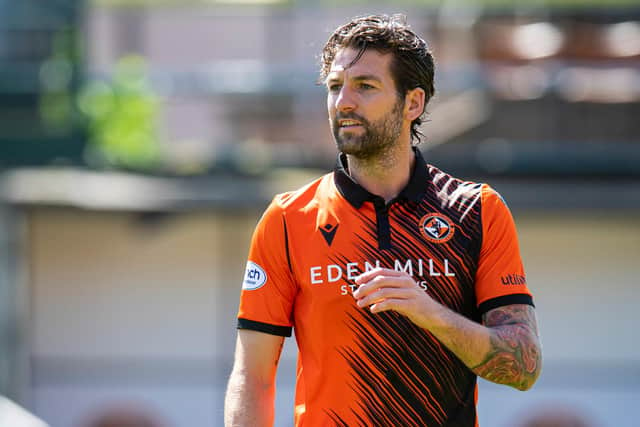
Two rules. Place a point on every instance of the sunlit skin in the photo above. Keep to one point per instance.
(370, 122)
(361, 100)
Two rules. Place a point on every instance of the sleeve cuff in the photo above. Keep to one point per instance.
(283, 331)
(492, 303)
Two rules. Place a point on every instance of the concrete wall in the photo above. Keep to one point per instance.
(141, 308)
(132, 308)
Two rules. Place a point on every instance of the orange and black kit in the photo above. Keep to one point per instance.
(456, 239)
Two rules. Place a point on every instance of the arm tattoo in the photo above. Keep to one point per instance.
(515, 356)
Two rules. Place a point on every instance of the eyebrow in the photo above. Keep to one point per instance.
(358, 78)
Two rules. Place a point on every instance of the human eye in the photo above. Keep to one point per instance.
(334, 87)
(366, 86)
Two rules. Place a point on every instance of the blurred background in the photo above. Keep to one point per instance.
(141, 140)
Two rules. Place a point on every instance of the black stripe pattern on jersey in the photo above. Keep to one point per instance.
(402, 373)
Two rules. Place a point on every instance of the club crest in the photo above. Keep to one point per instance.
(436, 228)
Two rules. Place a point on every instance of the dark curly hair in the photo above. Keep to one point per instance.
(412, 65)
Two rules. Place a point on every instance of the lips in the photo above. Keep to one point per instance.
(348, 123)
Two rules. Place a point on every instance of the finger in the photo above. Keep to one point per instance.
(375, 284)
(383, 294)
(371, 274)
(393, 304)
(379, 282)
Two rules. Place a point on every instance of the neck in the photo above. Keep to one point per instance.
(385, 175)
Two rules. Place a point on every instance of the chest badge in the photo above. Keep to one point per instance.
(436, 228)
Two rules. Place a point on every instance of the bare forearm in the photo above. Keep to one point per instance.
(515, 358)
(248, 403)
(506, 350)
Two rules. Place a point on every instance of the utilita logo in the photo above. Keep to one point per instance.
(514, 279)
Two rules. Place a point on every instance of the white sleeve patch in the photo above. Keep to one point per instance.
(254, 277)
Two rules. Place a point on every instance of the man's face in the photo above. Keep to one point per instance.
(365, 113)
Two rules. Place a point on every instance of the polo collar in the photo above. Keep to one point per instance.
(357, 195)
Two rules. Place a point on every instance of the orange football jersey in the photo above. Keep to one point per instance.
(457, 239)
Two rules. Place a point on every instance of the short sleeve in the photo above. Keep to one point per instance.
(268, 288)
(500, 278)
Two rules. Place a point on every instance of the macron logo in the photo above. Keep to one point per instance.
(329, 232)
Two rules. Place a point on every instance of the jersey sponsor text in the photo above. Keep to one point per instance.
(513, 279)
(332, 273)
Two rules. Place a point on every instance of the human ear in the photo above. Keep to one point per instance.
(414, 103)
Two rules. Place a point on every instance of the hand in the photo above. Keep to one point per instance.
(384, 289)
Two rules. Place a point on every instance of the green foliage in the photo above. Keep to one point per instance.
(56, 76)
(123, 118)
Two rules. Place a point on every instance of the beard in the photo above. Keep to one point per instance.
(377, 139)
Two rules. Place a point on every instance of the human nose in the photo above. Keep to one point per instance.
(345, 100)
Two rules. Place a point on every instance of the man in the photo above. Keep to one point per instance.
(403, 284)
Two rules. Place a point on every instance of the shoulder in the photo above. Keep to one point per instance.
(455, 194)
(291, 208)
(304, 198)
(449, 187)
(455, 191)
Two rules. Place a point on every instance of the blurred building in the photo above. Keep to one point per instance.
(40, 72)
(119, 284)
